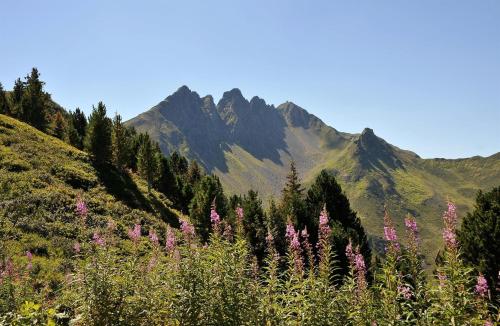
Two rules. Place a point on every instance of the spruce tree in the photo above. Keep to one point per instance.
(292, 202)
(120, 143)
(4, 104)
(345, 224)
(148, 164)
(98, 135)
(208, 189)
(59, 126)
(479, 236)
(34, 102)
(254, 223)
(194, 173)
(276, 224)
(17, 99)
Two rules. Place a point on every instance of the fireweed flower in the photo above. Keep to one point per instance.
(98, 239)
(357, 262)
(81, 208)
(405, 291)
(135, 233)
(390, 234)
(450, 224)
(323, 231)
(170, 240)
(153, 238)
(187, 230)
(239, 215)
(214, 218)
(481, 286)
(29, 255)
(294, 247)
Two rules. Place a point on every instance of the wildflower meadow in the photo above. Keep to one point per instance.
(169, 277)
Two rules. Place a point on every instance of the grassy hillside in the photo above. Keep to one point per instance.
(41, 178)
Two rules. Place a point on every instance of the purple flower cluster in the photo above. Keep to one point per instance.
(228, 232)
(481, 286)
(390, 234)
(357, 262)
(7, 270)
(98, 239)
(170, 240)
(450, 224)
(187, 230)
(295, 248)
(324, 226)
(135, 233)
(153, 238)
(81, 208)
(405, 291)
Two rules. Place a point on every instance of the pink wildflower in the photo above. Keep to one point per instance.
(450, 223)
(295, 248)
(81, 207)
(214, 218)
(324, 227)
(349, 253)
(153, 237)
(405, 291)
(170, 240)
(290, 231)
(390, 234)
(98, 240)
(135, 233)
(187, 229)
(239, 214)
(481, 286)
(488, 323)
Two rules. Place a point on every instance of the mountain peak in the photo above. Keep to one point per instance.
(232, 94)
(183, 90)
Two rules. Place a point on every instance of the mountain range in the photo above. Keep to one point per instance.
(249, 144)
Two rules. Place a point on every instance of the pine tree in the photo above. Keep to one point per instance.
(34, 102)
(17, 98)
(194, 173)
(292, 203)
(207, 189)
(4, 104)
(120, 143)
(148, 164)
(59, 126)
(254, 223)
(98, 135)
(345, 224)
(479, 236)
(80, 123)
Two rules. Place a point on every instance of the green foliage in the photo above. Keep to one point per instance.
(4, 104)
(34, 102)
(208, 191)
(254, 224)
(326, 192)
(76, 128)
(98, 135)
(120, 143)
(479, 236)
(148, 161)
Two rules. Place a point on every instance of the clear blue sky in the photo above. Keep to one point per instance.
(425, 75)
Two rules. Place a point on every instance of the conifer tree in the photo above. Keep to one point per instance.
(79, 122)
(148, 164)
(479, 236)
(292, 203)
(344, 222)
(59, 126)
(194, 173)
(206, 190)
(34, 102)
(98, 135)
(254, 223)
(4, 104)
(120, 143)
(17, 98)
